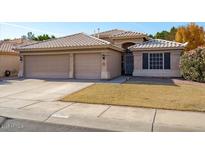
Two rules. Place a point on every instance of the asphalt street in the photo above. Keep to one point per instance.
(18, 125)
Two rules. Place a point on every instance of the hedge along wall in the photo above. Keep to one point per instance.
(192, 65)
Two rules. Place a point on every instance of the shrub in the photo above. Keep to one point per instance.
(193, 65)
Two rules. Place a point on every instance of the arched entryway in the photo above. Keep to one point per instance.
(127, 59)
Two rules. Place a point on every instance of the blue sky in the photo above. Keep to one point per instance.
(16, 30)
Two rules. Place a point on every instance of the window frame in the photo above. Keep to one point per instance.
(162, 60)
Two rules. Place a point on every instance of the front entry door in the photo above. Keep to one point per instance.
(128, 63)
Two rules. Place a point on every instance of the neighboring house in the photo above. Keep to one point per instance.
(9, 58)
(101, 56)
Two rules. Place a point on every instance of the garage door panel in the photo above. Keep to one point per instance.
(47, 66)
(88, 66)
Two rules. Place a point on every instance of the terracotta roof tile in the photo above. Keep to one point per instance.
(116, 33)
(157, 43)
(128, 34)
(8, 46)
(110, 33)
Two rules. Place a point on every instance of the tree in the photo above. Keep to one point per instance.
(151, 36)
(192, 34)
(162, 35)
(7, 39)
(44, 37)
(31, 36)
(172, 34)
(166, 35)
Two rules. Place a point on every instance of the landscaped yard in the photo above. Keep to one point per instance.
(177, 96)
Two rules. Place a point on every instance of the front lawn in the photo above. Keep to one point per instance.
(181, 96)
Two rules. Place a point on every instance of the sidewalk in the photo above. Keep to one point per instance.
(106, 117)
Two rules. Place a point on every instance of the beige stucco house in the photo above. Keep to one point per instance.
(100, 56)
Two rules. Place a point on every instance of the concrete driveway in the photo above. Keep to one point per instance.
(22, 92)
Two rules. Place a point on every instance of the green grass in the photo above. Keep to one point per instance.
(177, 97)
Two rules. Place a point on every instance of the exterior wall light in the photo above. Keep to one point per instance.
(21, 58)
(103, 57)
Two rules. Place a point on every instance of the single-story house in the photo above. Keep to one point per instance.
(100, 56)
(9, 58)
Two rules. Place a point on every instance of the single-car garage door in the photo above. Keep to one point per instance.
(47, 66)
(87, 66)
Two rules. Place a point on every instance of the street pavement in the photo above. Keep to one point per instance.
(19, 125)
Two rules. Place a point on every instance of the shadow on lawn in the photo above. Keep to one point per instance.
(152, 81)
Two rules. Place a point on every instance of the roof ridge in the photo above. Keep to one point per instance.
(111, 30)
(98, 39)
(129, 31)
(52, 39)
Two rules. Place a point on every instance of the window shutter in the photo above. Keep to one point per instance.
(145, 61)
(167, 60)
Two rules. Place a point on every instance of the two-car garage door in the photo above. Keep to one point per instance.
(86, 66)
(46, 66)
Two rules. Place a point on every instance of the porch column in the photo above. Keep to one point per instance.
(71, 65)
(137, 63)
(104, 66)
(175, 60)
(21, 66)
(175, 63)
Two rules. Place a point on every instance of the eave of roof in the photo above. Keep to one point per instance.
(110, 46)
(9, 53)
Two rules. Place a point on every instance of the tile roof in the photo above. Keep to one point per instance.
(116, 33)
(75, 40)
(6, 46)
(128, 34)
(110, 33)
(157, 43)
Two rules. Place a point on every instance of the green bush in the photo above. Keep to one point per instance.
(193, 65)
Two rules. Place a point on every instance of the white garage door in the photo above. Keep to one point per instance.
(87, 66)
(47, 66)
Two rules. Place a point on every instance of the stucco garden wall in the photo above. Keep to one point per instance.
(9, 62)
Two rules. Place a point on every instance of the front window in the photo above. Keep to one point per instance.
(155, 61)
